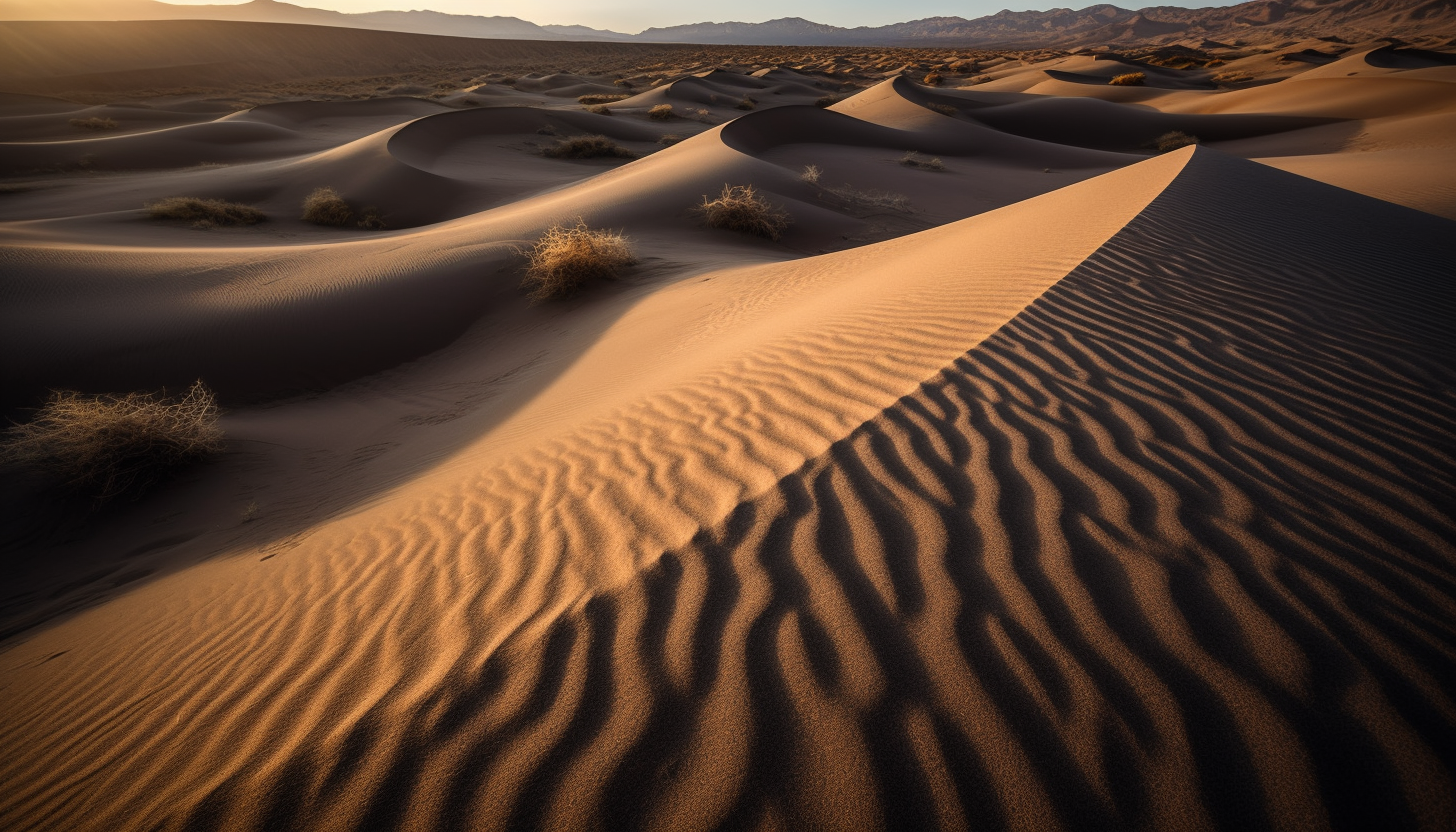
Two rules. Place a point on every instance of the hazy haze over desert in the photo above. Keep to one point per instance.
(1042, 420)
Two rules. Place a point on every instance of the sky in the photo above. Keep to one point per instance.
(635, 15)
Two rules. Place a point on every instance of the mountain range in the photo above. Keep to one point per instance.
(1100, 24)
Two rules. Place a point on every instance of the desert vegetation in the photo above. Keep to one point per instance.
(811, 174)
(913, 159)
(740, 208)
(587, 147)
(324, 206)
(1173, 140)
(110, 445)
(669, 139)
(746, 104)
(569, 257)
(661, 112)
(1129, 79)
(943, 109)
(205, 213)
(933, 79)
(94, 123)
(602, 99)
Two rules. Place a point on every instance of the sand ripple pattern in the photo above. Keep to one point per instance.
(1168, 551)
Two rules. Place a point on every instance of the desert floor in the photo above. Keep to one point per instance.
(1070, 485)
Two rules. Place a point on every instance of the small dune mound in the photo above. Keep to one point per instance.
(568, 257)
(587, 147)
(113, 445)
(205, 213)
(740, 208)
(1129, 79)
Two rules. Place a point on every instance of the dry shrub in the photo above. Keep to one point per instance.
(93, 123)
(943, 109)
(205, 213)
(915, 160)
(568, 257)
(740, 208)
(934, 79)
(599, 109)
(746, 104)
(1216, 62)
(1173, 140)
(829, 100)
(1231, 77)
(1131, 79)
(982, 79)
(871, 199)
(610, 98)
(811, 174)
(662, 112)
(325, 207)
(669, 139)
(587, 147)
(110, 445)
(622, 82)
(371, 219)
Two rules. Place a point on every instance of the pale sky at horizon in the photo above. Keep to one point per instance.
(633, 16)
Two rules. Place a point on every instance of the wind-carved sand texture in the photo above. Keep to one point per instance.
(1073, 486)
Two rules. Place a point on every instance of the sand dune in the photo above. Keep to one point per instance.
(1059, 484)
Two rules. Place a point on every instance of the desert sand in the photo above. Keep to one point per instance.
(1073, 485)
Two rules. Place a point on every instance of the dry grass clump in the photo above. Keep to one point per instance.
(599, 109)
(325, 207)
(587, 147)
(829, 100)
(1231, 77)
(746, 104)
(205, 213)
(811, 174)
(943, 109)
(933, 79)
(610, 98)
(1131, 79)
(915, 160)
(873, 200)
(568, 257)
(110, 445)
(1173, 140)
(740, 208)
(94, 123)
(662, 112)
(669, 139)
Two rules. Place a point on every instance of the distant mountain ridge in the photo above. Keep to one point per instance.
(1095, 25)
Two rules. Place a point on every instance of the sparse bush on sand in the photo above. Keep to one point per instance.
(325, 207)
(870, 200)
(587, 147)
(829, 100)
(1173, 140)
(568, 257)
(205, 213)
(610, 98)
(915, 160)
(94, 123)
(934, 79)
(661, 112)
(811, 174)
(669, 139)
(943, 109)
(1131, 79)
(1231, 77)
(740, 208)
(111, 445)
(599, 109)
(746, 104)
